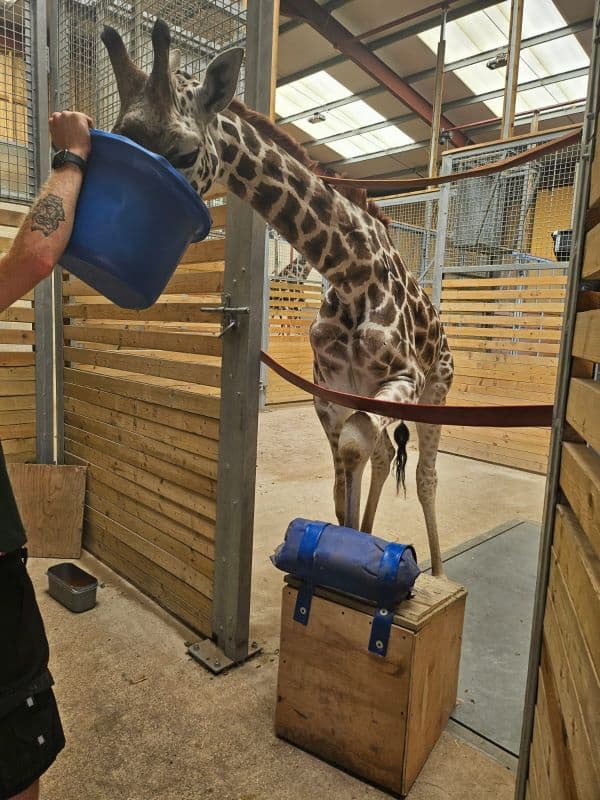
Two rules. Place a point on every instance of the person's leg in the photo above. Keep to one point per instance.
(32, 793)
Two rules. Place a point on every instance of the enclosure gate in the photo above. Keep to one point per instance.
(142, 390)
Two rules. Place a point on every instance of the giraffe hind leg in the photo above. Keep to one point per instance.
(381, 461)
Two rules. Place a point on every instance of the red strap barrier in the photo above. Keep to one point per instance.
(382, 188)
(471, 416)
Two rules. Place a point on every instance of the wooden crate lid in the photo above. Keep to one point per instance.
(430, 596)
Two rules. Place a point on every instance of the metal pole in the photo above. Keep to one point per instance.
(512, 68)
(244, 282)
(562, 383)
(440, 239)
(434, 150)
(44, 296)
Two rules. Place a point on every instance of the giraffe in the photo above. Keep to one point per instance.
(376, 333)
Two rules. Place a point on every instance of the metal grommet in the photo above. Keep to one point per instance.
(41, 740)
(383, 612)
(379, 644)
(29, 702)
(303, 611)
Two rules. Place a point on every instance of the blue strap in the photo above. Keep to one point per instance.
(306, 554)
(380, 631)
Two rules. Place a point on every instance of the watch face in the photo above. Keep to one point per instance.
(59, 159)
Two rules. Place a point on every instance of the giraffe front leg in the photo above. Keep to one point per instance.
(332, 425)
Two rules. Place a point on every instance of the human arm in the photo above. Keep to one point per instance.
(45, 233)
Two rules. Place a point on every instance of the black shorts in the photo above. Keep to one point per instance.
(31, 734)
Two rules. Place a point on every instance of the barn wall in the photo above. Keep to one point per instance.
(560, 743)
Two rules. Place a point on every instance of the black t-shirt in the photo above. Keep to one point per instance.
(12, 532)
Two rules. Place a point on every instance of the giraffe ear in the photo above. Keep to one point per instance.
(220, 82)
(174, 60)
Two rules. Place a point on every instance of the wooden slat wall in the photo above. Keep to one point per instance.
(564, 759)
(17, 360)
(504, 334)
(142, 411)
(292, 308)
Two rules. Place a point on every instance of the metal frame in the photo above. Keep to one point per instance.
(48, 294)
(439, 267)
(564, 367)
(244, 282)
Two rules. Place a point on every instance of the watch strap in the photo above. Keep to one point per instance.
(66, 157)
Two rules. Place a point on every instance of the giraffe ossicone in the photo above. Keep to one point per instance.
(376, 333)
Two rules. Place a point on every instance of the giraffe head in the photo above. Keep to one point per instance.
(167, 111)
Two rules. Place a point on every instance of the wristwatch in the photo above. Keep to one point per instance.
(66, 157)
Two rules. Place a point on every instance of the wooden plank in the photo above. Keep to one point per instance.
(50, 500)
(580, 481)
(197, 343)
(17, 314)
(541, 321)
(208, 373)
(484, 452)
(140, 388)
(579, 748)
(513, 334)
(17, 374)
(16, 388)
(161, 312)
(130, 432)
(139, 503)
(555, 759)
(591, 255)
(156, 420)
(180, 569)
(180, 283)
(219, 216)
(179, 541)
(457, 342)
(538, 766)
(580, 567)
(432, 701)
(582, 409)
(562, 618)
(537, 280)
(17, 401)
(502, 295)
(208, 250)
(586, 338)
(512, 308)
(18, 431)
(22, 359)
(12, 214)
(14, 336)
(193, 502)
(179, 599)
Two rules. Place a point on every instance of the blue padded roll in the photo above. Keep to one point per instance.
(349, 561)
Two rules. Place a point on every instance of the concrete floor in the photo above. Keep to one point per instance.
(143, 722)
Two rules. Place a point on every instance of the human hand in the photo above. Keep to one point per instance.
(70, 130)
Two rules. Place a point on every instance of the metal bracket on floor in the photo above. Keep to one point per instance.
(214, 659)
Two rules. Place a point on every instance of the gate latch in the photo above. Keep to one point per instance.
(230, 313)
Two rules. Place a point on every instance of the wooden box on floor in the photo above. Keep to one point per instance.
(378, 717)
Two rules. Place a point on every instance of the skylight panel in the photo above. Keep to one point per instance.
(372, 142)
(540, 16)
(307, 93)
(471, 35)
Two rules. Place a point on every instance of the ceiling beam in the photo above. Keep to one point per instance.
(391, 151)
(460, 103)
(331, 5)
(390, 38)
(542, 38)
(341, 38)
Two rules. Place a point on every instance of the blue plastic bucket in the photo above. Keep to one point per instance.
(136, 215)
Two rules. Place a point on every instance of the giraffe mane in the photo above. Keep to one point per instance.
(270, 130)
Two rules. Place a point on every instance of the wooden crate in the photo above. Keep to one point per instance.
(378, 717)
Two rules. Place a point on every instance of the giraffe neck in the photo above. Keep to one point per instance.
(331, 232)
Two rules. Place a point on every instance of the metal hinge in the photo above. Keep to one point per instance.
(230, 313)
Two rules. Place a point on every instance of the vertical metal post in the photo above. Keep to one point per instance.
(512, 68)
(440, 239)
(47, 338)
(244, 282)
(582, 187)
(264, 372)
(434, 150)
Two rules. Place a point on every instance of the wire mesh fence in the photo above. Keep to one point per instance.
(413, 230)
(17, 155)
(199, 30)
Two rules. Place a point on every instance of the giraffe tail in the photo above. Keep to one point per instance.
(401, 437)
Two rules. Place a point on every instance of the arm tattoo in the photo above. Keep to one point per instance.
(47, 214)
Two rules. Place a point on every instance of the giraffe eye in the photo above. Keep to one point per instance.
(185, 160)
